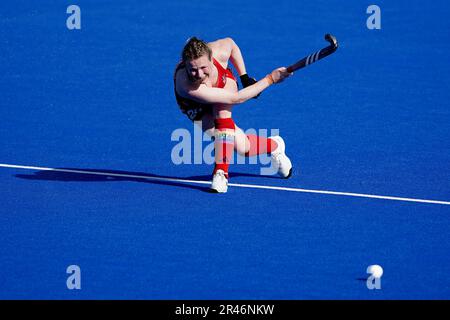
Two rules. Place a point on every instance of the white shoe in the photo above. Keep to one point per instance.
(219, 182)
(280, 161)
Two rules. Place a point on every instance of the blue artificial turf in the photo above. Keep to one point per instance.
(372, 118)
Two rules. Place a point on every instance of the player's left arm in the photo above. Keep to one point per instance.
(236, 58)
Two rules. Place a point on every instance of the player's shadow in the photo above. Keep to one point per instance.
(105, 175)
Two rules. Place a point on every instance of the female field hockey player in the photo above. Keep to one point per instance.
(206, 90)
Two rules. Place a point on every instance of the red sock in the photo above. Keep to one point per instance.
(223, 143)
(260, 145)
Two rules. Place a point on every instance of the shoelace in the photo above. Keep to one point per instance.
(221, 174)
(276, 157)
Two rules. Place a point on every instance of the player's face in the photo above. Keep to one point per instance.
(199, 69)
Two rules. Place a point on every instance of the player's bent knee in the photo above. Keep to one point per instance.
(242, 144)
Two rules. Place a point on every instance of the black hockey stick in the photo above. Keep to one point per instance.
(306, 61)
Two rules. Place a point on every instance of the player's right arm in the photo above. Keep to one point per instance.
(208, 95)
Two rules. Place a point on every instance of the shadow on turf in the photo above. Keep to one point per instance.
(84, 177)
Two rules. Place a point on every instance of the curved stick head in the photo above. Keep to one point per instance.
(332, 40)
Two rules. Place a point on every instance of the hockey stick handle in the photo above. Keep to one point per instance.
(316, 56)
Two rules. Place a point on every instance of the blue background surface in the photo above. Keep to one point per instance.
(372, 118)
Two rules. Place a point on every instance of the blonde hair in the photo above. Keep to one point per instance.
(194, 49)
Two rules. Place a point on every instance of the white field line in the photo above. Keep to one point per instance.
(253, 186)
